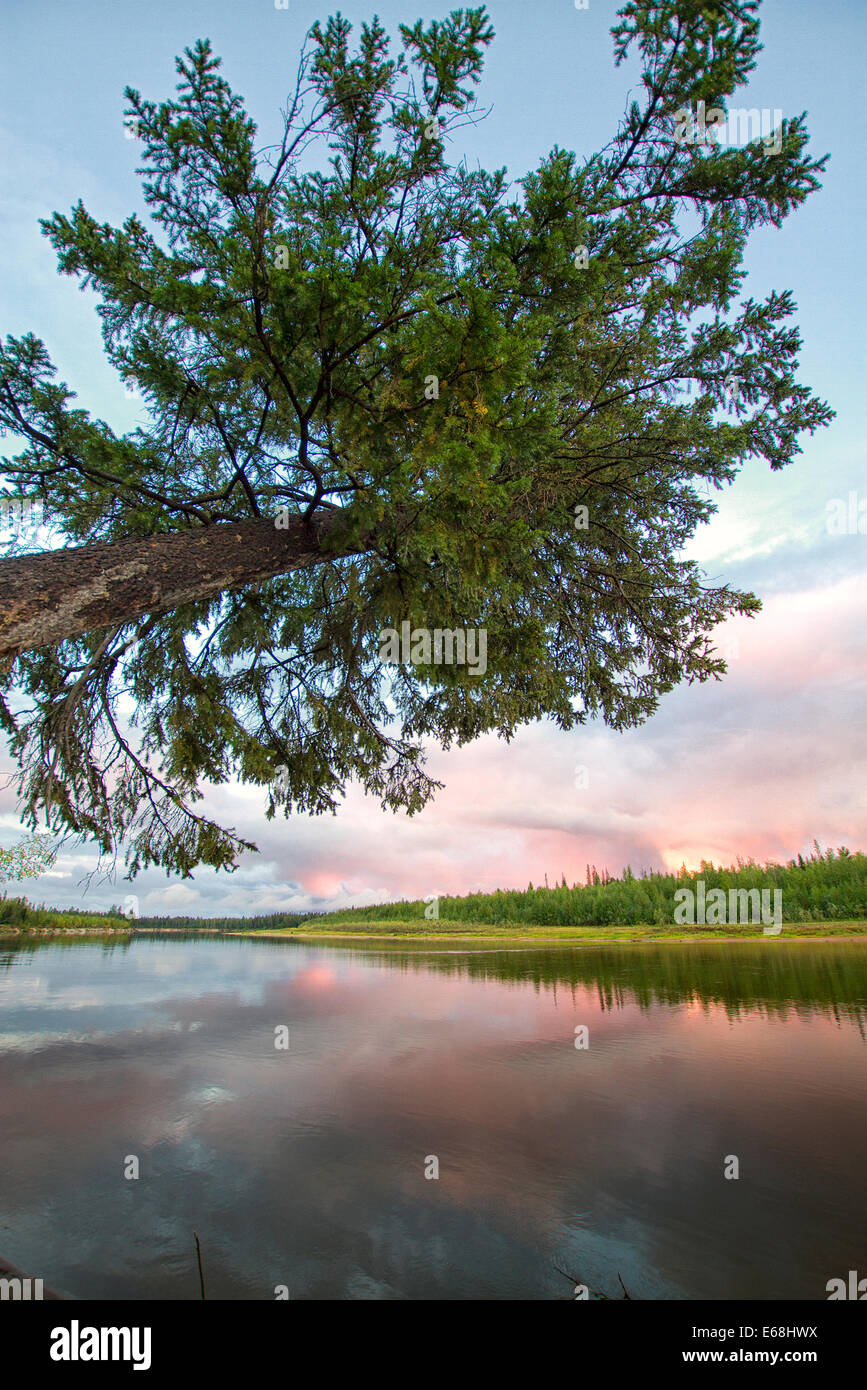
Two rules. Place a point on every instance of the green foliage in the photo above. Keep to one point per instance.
(824, 888)
(281, 318)
(273, 921)
(28, 859)
(18, 912)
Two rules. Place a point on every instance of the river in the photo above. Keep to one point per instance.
(387, 1122)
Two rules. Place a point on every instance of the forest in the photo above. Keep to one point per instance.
(829, 885)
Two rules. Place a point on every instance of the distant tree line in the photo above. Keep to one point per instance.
(18, 912)
(825, 887)
(273, 922)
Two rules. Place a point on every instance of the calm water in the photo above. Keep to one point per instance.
(306, 1167)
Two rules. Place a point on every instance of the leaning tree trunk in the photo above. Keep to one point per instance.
(60, 594)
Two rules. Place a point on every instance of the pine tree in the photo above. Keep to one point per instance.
(391, 389)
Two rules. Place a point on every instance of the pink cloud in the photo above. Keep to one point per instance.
(756, 765)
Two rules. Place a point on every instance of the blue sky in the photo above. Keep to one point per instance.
(759, 764)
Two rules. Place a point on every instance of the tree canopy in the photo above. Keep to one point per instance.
(382, 387)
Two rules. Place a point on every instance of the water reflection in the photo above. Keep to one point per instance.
(306, 1167)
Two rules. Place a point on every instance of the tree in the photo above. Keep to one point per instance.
(388, 389)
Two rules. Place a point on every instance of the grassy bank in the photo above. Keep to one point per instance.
(28, 933)
(541, 935)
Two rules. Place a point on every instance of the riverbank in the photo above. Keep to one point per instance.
(28, 932)
(124, 932)
(506, 936)
(562, 936)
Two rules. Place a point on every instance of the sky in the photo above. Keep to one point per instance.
(758, 765)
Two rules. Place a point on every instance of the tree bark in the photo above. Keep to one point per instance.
(61, 594)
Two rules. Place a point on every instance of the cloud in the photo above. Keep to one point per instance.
(758, 764)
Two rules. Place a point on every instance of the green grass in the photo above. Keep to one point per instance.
(427, 931)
